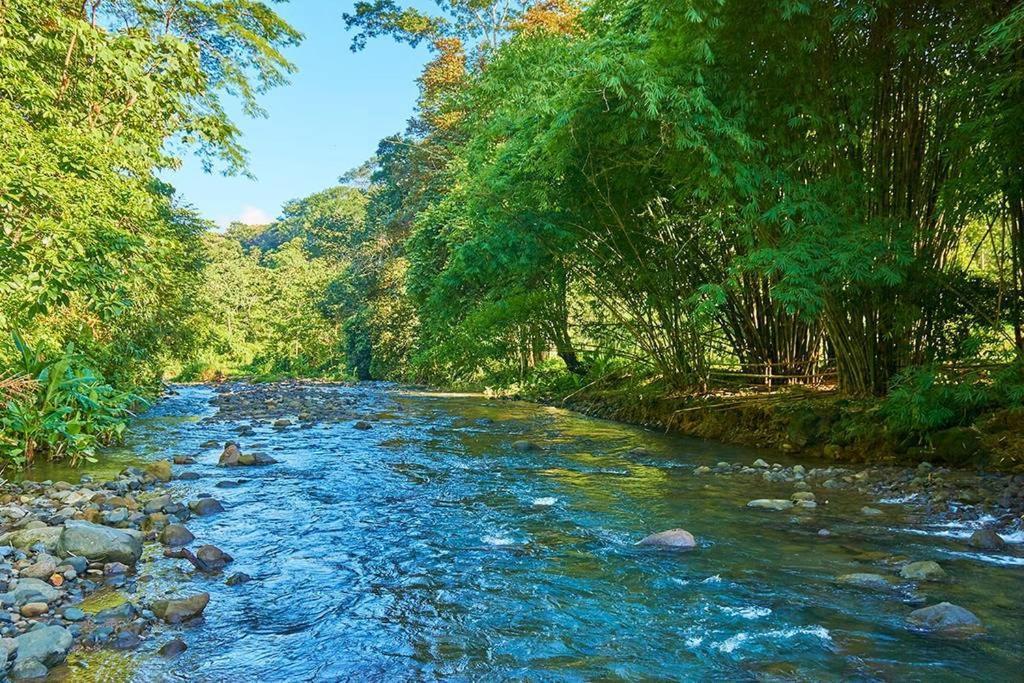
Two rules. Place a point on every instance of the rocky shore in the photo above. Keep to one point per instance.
(73, 558)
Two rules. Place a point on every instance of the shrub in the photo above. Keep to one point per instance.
(72, 411)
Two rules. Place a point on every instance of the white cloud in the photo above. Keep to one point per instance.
(252, 215)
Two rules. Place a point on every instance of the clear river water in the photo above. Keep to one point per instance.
(428, 548)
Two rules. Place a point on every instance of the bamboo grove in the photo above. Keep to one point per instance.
(783, 187)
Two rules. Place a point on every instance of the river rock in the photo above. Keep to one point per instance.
(73, 614)
(229, 458)
(7, 648)
(100, 543)
(925, 570)
(28, 670)
(212, 443)
(770, 504)
(802, 496)
(238, 579)
(126, 640)
(523, 446)
(282, 423)
(205, 506)
(34, 609)
(866, 580)
(870, 511)
(255, 459)
(43, 568)
(177, 611)
(48, 645)
(34, 590)
(172, 648)
(48, 536)
(123, 612)
(363, 425)
(176, 535)
(159, 470)
(986, 539)
(678, 539)
(760, 463)
(156, 504)
(945, 617)
(213, 557)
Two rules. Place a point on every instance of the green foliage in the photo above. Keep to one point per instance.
(98, 260)
(675, 184)
(74, 410)
(927, 399)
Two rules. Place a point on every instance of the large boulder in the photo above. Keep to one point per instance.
(100, 543)
(48, 645)
(677, 539)
(945, 618)
(49, 536)
(177, 611)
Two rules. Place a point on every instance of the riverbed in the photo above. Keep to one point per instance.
(429, 544)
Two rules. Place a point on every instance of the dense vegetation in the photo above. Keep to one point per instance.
(99, 260)
(691, 194)
(677, 196)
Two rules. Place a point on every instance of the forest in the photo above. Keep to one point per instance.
(638, 197)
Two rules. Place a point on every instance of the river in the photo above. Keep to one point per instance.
(428, 547)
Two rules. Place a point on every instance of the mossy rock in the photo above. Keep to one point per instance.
(958, 446)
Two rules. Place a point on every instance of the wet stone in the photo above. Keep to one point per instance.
(172, 648)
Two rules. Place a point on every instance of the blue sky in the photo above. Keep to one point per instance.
(325, 122)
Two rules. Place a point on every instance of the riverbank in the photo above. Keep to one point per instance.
(75, 558)
(812, 424)
(381, 516)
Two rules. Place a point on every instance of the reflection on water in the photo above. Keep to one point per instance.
(428, 547)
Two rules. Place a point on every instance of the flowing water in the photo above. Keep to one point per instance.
(429, 548)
